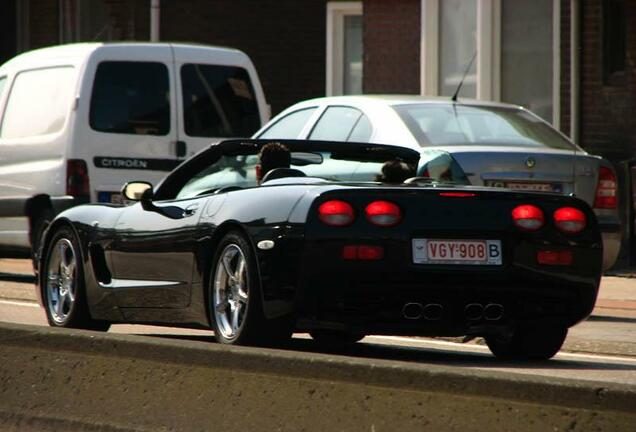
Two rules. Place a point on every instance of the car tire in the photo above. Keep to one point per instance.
(236, 308)
(63, 288)
(39, 225)
(335, 337)
(537, 343)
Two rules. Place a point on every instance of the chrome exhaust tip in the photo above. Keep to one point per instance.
(412, 311)
(493, 311)
(473, 311)
(433, 311)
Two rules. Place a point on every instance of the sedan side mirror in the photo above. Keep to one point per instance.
(137, 191)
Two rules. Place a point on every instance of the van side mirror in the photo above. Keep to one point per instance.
(137, 191)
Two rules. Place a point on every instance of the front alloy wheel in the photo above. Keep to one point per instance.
(61, 277)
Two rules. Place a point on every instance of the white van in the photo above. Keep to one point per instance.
(78, 121)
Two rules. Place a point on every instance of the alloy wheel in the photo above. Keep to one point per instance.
(61, 278)
(230, 292)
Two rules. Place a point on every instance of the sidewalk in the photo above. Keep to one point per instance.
(616, 298)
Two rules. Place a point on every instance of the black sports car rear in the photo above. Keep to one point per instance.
(327, 249)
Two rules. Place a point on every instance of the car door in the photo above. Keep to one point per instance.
(126, 111)
(154, 253)
(219, 97)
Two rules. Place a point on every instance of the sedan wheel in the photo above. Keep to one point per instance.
(529, 343)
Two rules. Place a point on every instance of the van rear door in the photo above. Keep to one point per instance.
(220, 96)
(126, 110)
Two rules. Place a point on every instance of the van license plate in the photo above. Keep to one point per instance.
(451, 251)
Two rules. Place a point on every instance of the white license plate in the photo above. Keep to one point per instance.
(450, 251)
(540, 187)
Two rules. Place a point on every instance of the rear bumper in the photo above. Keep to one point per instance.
(611, 233)
(370, 297)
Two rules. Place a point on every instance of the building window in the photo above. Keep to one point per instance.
(457, 45)
(614, 42)
(527, 55)
(344, 48)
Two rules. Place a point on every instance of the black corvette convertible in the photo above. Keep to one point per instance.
(322, 247)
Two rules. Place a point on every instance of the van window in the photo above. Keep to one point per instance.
(218, 101)
(39, 102)
(131, 98)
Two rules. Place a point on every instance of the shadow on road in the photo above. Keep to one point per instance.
(440, 356)
(21, 278)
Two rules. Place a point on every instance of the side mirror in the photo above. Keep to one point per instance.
(137, 191)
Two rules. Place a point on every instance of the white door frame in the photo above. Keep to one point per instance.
(336, 12)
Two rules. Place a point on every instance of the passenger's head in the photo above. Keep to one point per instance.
(395, 171)
(272, 155)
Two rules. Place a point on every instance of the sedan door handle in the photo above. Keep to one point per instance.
(190, 210)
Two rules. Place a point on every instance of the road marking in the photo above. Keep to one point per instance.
(483, 348)
(20, 303)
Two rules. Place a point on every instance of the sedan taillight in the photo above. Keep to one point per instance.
(383, 213)
(570, 220)
(528, 217)
(336, 213)
(606, 189)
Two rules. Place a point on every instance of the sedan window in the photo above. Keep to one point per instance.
(437, 124)
(336, 124)
(290, 126)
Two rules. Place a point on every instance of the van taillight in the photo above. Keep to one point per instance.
(606, 189)
(77, 183)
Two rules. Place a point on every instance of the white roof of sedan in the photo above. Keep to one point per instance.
(400, 99)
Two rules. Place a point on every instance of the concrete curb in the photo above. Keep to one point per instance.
(140, 383)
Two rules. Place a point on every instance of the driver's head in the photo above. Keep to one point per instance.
(272, 155)
(395, 171)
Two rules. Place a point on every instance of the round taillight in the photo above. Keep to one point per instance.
(570, 220)
(528, 217)
(335, 213)
(383, 213)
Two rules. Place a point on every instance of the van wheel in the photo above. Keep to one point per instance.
(63, 289)
(39, 225)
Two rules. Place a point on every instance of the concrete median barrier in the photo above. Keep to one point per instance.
(58, 380)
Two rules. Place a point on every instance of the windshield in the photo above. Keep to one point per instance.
(455, 125)
(238, 171)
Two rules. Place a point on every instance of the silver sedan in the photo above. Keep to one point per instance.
(497, 144)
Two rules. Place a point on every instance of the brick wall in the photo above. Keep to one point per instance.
(285, 39)
(43, 23)
(391, 46)
(607, 111)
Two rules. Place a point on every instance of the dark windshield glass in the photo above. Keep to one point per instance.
(445, 124)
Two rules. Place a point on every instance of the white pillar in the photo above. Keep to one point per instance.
(155, 14)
